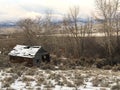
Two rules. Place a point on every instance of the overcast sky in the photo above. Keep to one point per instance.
(16, 9)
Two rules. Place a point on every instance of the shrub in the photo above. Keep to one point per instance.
(45, 66)
(104, 84)
(115, 87)
(78, 82)
(107, 67)
(6, 84)
(7, 81)
(103, 89)
(18, 69)
(96, 82)
(101, 62)
(27, 79)
(30, 72)
(40, 80)
(61, 83)
(69, 84)
(116, 68)
(4, 61)
(116, 60)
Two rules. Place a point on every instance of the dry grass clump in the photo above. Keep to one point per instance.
(28, 84)
(4, 63)
(27, 79)
(29, 88)
(116, 68)
(55, 77)
(101, 81)
(103, 89)
(51, 76)
(104, 84)
(69, 84)
(115, 87)
(96, 82)
(48, 71)
(60, 79)
(6, 82)
(9, 88)
(17, 69)
(79, 80)
(49, 85)
(38, 88)
(78, 76)
(30, 72)
(71, 63)
(107, 67)
(40, 81)
(66, 79)
(59, 82)
(15, 76)
(45, 66)
(101, 62)
(9, 70)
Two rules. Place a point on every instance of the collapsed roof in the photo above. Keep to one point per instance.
(24, 51)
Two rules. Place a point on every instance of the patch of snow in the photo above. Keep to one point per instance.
(18, 85)
(33, 83)
(0, 84)
(68, 75)
(89, 84)
(56, 67)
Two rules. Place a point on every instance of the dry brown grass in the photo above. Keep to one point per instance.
(115, 87)
(7, 81)
(27, 79)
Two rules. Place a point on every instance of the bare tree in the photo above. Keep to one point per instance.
(77, 30)
(29, 31)
(48, 24)
(107, 11)
(117, 28)
(71, 25)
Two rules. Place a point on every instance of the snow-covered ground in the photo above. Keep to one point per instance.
(23, 78)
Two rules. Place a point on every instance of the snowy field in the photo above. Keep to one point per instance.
(23, 78)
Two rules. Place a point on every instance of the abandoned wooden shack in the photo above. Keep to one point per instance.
(32, 55)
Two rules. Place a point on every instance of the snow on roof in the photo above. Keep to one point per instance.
(24, 51)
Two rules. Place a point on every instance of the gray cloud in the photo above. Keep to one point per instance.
(16, 9)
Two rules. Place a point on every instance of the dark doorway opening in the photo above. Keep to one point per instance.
(46, 58)
(37, 60)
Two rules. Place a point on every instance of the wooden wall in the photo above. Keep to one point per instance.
(16, 59)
